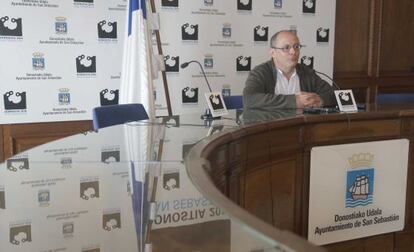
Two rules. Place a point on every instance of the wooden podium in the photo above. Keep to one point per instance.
(264, 169)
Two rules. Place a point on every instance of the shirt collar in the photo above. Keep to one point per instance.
(279, 72)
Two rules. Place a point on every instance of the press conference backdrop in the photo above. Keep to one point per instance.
(62, 58)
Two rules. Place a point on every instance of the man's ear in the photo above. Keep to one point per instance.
(271, 52)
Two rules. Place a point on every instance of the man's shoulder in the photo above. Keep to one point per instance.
(265, 66)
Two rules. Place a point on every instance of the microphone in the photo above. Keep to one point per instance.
(207, 114)
(327, 76)
(185, 64)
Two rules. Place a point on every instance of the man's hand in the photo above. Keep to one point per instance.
(308, 100)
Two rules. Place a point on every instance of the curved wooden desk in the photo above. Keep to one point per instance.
(264, 168)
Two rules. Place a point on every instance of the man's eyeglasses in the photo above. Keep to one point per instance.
(287, 48)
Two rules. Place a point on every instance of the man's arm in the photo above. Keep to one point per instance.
(308, 100)
(324, 90)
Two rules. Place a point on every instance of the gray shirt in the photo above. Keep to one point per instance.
(259, 91)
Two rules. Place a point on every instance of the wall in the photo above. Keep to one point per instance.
(368, 58)
(73, 63)
(373, 47)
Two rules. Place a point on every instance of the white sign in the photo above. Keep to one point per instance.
(357, 190)
(346, 101)
(216, 104)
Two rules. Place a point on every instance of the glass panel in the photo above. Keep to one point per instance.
(98, 206)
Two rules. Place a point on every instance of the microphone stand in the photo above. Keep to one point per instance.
(359, 106)
(207, 113)
(336, 86)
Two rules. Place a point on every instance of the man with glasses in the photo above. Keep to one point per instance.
(283, 83)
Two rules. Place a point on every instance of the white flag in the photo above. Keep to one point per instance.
(136, 78)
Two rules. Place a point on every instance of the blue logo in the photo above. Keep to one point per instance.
(61, 26)
(43, 197)
(38, 62)
(64, 96)
(278, 4)
(359, 187)
(226, 31)
(226, 91)
(68, 228)
(208, 61)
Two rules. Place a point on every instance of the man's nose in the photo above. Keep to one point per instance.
(292, 50)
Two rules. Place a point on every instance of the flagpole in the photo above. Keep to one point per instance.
(164, 75)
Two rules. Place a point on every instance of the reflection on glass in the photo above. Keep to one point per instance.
(123, 188)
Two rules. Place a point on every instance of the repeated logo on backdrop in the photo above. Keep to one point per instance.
(43, 197)
(216, 33)
(38, 61)
(169, 3)
(61, 26)
(208, 61)
(66, 162)
(68, 229)
(307, 60)
(208, 2)
(64, 96)
(322, 35)
(189, 32)
(111, 221)
(189, 95)
(20, 233)
(14, 101)
(172, 63)
(243, 63)
(83, 1)
(110, 155)
(244, 5)
(2, 198)
(60, 35)
(85, 64)
(109, 97)
(18, 164)
(260, 33)
(89, 188)
(226, 30)
(309, 6)
(11, 26)
(107, 30)
(278, 4)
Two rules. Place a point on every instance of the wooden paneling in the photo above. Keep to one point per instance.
(270, 176)
(283, 177)
(380, 243)
(237, 151)
(409, 207)
(1, 144)
(219, 160)
(285, 139)
(352, 37)
(374, 47)
(354, 130)
(397, 38)
(404, 241)
(257, 149)
(236, 188)
(20, 137)
(257, 194)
